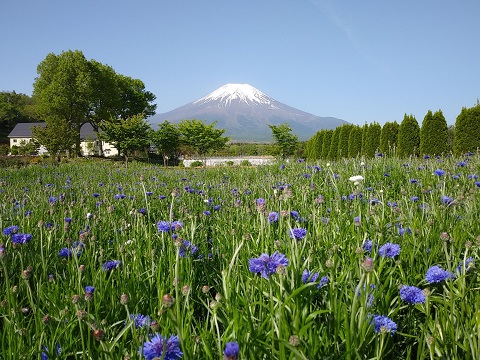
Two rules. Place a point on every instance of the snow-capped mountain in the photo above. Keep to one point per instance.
(245, 112)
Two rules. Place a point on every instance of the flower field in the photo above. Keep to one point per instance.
(349, 260)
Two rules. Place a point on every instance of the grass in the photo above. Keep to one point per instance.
(194, 282)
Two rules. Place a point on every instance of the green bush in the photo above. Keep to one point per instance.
(245, 163)
(196, 163)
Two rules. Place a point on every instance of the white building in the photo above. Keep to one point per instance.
(90, 145)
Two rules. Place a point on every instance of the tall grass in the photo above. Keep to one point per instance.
(194, 281)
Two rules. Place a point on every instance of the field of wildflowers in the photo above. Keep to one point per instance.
(371, 259)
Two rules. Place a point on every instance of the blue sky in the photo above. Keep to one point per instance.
(361, 61)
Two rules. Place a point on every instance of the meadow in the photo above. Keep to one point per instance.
(358, 259)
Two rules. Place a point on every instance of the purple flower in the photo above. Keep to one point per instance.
(10, 230)
(412, 294)
(308, 277)
(141, 321)
(436, 274)
(161, 348)
(273, 217)
(446, 200)
(110, 265)
(414, 198)
(439, 172)
(20, 238)
(367, 245)
(466, 266)
(383, 324)
(207, 213)
(298, 233)
(323, 282)
(389, 250)
(89, 289)
(265, 265)
(231, 351)
(187, 248)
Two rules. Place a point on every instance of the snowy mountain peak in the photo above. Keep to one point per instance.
(240, 92)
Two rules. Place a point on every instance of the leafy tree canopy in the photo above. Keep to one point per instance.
(167, 140)
(79, 90)
(200, 137)
(286, 142)
(127, 135)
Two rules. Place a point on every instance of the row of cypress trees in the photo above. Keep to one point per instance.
(434, 137)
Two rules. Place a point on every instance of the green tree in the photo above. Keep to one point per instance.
(333, 151)
(355, 142)
(327, 140)
(313, 147)
(372, 139)
(167, 141)
(203, 139)
(343, 140)
(467, 130)
(78, 90)
(57, 136)
(14, 108)
(285, 142)
(408, 137)
(127, 135)
(433, 134)
(364, 138)
(450, 138)
(388, 137)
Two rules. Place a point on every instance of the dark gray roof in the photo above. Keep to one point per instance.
(23, 130)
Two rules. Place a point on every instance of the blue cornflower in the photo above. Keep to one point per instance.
(436, 274)
(164, 226)
(44, 355)
(207, 213)
(412, 294)
(413, 181)
(89, 289)
(217, 208)
(10, 230)
(389, 250)
(308, 277)
(231, 351)
(465, 267)
(477, 183)
(187, 248)
(119, 196)
(96, 195)
(260, 202)
(266, 265)
(298, 233)
(323, 281)
(161, 348)
(68, 220)
(414, 198)
(461, 164)
(439, 172)
(367, 245)
(20, 238)
(273, 217)
(110, 265)
(446, 200)
(141, 321)
(52, 200)
(294, 214)
(383, 324)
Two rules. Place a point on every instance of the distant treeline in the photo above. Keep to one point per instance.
(406, 139)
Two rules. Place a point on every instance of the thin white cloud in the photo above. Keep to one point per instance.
(326, 7)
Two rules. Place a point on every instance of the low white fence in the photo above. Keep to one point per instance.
(213, 161)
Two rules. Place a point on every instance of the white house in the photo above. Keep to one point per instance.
(90, 145)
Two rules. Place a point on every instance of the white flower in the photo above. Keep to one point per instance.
(356, 178)
(328, 164)
(362, 164)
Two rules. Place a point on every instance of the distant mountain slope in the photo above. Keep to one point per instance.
(245, 112)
